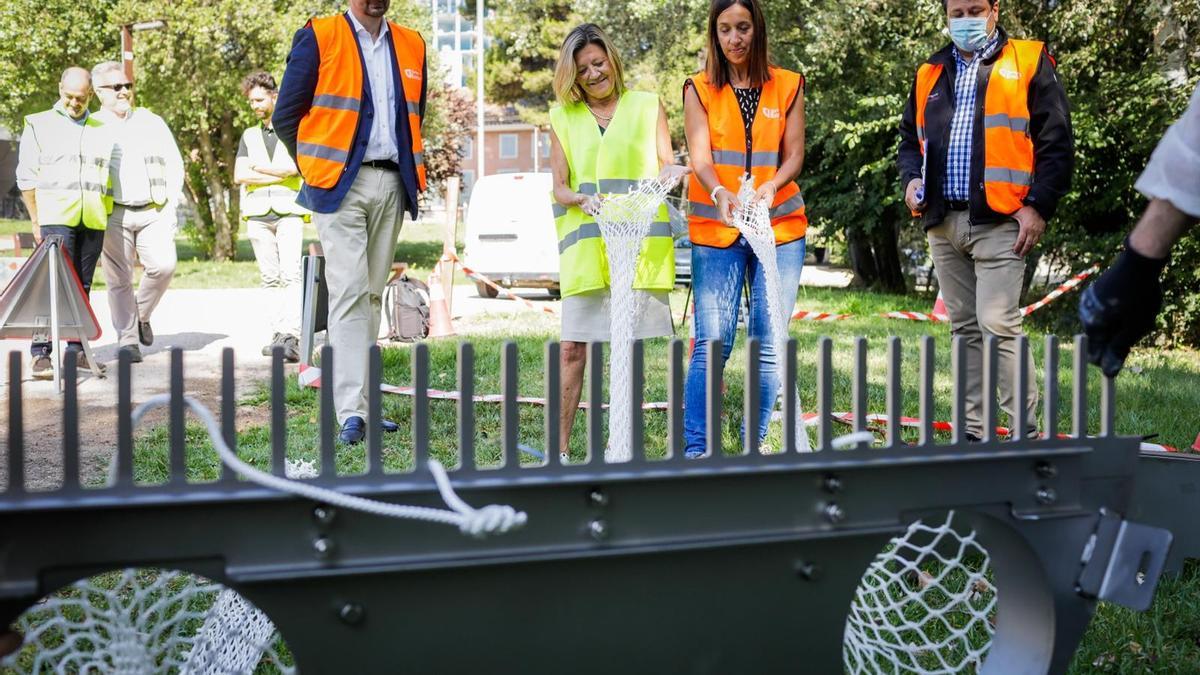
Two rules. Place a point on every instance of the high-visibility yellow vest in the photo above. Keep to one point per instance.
(73, 186)
(280, 198)
(612, 163)
(1007, 145)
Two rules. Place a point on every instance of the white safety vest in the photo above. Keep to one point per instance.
(280, 198)
(73, 185)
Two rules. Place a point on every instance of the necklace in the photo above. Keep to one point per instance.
(598, 115)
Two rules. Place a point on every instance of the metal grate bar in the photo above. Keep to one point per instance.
(958, 369)
(1108, 397)
(713, 394)
(420, 406)
(1080, 392)
(553, 408)
(791, 397)
(675, 378)
(279, 409)
(1020, 418)
(228, 409)
(375, 412)
(928, 361)
(124, 476)
(510, 419)
(990, 372)
(466, 405)
(894, 356)
(637, 418)
(70, 421)
(178, 439)
(595, 418)
(1050, 402)
(859, 387)
(329, 422)
(824, 393)
(16, 426)
(750, 397)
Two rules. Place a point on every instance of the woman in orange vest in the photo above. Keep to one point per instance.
(743, 116)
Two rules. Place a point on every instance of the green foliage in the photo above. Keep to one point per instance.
(526, 35)
(449, 119)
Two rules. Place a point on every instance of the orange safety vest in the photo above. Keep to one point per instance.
(327, 130)
(1007, 145)
(727, 138)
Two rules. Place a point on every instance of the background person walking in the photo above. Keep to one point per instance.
(274, 221)
(147, 179)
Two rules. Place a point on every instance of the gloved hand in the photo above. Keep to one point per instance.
(1120, 307)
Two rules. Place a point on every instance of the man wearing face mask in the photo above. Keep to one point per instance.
(147, 177)
(986, 153)
(62, 172)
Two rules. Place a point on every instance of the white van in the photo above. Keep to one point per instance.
(510, 236)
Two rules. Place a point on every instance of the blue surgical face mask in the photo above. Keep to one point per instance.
(969, 34)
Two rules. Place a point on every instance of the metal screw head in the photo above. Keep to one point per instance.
(1045, 469)
(1046, 496)
(831, 484)
(834, 513)
(809, 571)
(324, 514)
(596, 497)
(323, 547)
(598, 529)
(351, 613)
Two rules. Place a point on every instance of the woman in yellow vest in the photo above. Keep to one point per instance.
(603, 140)
(742, 116)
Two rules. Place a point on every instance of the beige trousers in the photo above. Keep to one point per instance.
(981, 279)
(359, 241)
(147, 235)
(277, 245)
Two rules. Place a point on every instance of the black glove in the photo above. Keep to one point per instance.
(1120, 307)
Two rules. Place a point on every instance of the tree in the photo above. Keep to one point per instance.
(519, 65)
(448, 124)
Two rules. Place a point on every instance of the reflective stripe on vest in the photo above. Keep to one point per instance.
(73, 185)
(327, 130)
(727, 138)
(610, 164)
(1007, 145)
(280, 198)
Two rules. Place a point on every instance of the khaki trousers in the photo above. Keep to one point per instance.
(277, 246)
(981, 279)
(359, 241)
(148, 235)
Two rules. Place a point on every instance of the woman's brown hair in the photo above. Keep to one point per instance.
(716, 66)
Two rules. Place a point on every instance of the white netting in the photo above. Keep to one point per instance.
(925, 605)
(753, 220)
(624, 222)
(146, 621)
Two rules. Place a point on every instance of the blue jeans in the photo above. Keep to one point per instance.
(718, 275)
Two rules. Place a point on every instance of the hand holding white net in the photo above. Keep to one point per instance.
(625, 221)
(753, 220)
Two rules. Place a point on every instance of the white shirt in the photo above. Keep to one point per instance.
(378, 59)
(1173, 173)
(29, 152)
(138, 134)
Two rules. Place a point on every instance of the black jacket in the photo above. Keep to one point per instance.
(1049, 126)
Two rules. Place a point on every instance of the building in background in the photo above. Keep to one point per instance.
(454, 40)
(510, 146)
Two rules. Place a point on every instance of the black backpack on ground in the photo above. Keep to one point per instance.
(406, 305)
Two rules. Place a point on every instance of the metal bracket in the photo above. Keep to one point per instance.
(1123, 561)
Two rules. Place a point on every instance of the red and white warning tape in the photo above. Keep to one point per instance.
(1065, 287)
(310, 376)
(450, 257)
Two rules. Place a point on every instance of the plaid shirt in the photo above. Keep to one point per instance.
(958, 154)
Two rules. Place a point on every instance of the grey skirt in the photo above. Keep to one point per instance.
(585, 317)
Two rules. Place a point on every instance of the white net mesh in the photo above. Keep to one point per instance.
(753, 220)
(624, 222)
(925, 605)
(146, 621)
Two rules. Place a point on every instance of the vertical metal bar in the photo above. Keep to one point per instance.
(1108, 407)
(1020, 418)
(893, 392)
(989, 388)
(466, 404)
(374, 411)
(928, 354)
(279, 407)
(958, 368)
(124, 419)
(228, 409)
(860, 385)
(553, 402)
(637, 383)
(824, 393)
(177, 431)
(1080, 393)
(675, 375)
(328, 424)
(16, 426)
(1050, 398)
(791, 397)
(54, 253)
(420, 408)
(750, 397)
(510, 420)
(712, 400)
(595, 419)
(70, 421)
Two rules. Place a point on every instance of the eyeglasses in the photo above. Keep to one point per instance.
(120, 86)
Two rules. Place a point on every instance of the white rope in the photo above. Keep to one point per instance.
(491, 519)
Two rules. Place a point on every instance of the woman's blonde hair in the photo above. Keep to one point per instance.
(566, 89)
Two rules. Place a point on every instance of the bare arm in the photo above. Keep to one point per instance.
(30, 199)
(245, 174)
(561, 171)
(666, 154)
(1160, 227)
(695, 127)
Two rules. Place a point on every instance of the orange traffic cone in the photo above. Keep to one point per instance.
(439, 313)
(939, 308)
(1196, 445)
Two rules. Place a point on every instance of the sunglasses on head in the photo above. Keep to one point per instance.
(120, 86)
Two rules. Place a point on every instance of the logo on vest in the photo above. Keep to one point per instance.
(771, 113)
(412, 74)
(1009, 74)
